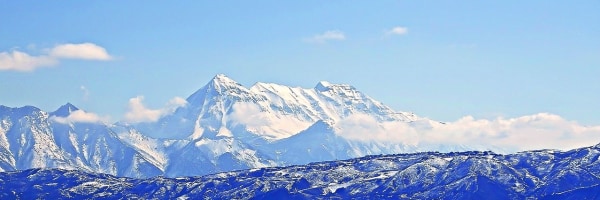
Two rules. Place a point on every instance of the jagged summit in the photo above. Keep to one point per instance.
(338, 89)
(64, 110)
(223, 80)
(223, 84)
(322, 86)
(219, 86)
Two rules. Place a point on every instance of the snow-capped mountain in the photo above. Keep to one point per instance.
(224, 126)
(32, 138)
(266, 110)
(543, 174)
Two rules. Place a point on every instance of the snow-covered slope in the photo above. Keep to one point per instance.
(27, 140)
(541, 174)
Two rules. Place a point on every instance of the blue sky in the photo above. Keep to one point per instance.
(445, 59)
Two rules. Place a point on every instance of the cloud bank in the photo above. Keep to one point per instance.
(327, 36)
(539, 131)
(20, 61)
(79, 116)
(138, 112)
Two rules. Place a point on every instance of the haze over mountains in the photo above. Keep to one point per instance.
(225, 126)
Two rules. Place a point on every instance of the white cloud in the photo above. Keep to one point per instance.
(248, 114)
(366, 128)
(84, 51)
(262, 122)
(139, 113)
(20, 61)
(326, 36)
(539, 131)
(175, 103)
(79, 116)
(398, 30)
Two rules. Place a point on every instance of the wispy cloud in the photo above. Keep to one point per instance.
(398, 30)
(138, 112)
(537, 131)
(86, 92)
(327, 36)
(20, 61)
(79, 116)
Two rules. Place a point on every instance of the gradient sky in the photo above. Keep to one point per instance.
(439, 59)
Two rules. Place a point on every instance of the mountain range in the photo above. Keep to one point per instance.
(223, 126)
(543, 174)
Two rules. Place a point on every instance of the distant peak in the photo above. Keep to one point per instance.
(323, 86)
(220, 84)
(222, 78)
(69, 105)
(324, 83)
(64, 110)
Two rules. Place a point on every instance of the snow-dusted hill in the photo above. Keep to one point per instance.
(541, 174)
(224, 126)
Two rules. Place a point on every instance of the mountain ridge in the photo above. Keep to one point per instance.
(539, 174)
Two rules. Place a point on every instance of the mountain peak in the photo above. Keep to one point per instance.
(222, 79)
(64, 110)
(323, 86)
(219, 85)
